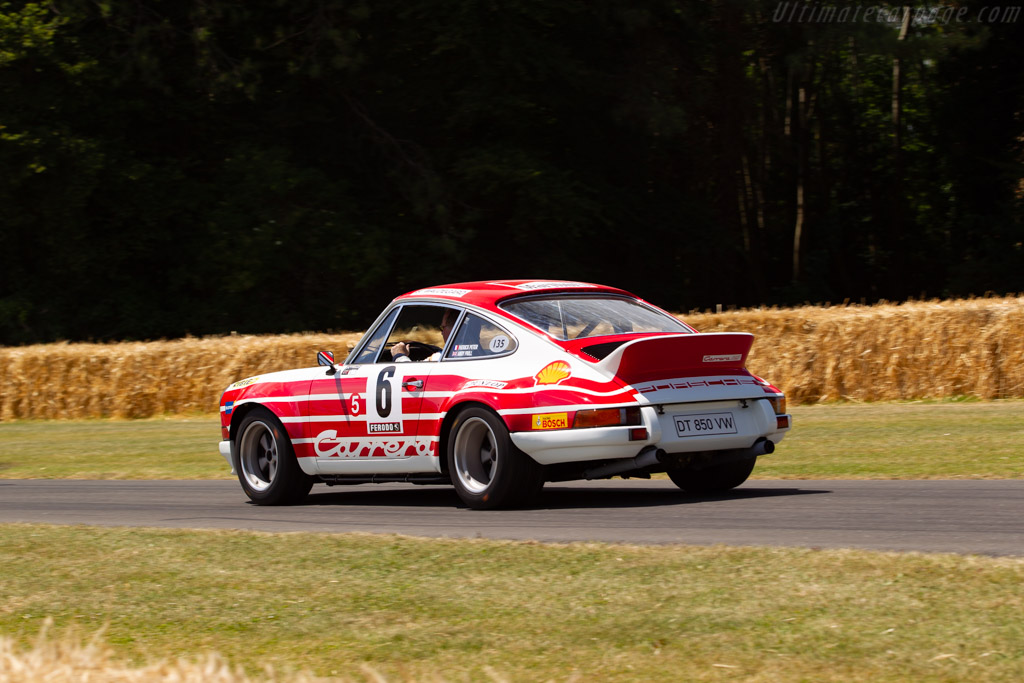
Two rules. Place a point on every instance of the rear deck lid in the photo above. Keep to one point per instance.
(681, 355)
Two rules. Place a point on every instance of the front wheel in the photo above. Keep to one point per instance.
(267, 467)
(486, 468)
(716, 479)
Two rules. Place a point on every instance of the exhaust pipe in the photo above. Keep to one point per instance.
(645, 458)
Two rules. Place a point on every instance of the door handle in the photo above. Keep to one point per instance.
(412, 384)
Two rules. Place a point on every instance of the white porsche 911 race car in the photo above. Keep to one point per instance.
(497, 387)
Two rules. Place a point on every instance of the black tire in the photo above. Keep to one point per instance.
(716, 479)
(267, 467)
(485, 467)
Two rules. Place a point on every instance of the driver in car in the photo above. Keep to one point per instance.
(400, 351)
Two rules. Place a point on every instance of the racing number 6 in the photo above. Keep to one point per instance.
(384, 391)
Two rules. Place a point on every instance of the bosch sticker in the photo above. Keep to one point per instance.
(551, 421)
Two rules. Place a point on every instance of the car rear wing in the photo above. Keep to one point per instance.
(682, 355)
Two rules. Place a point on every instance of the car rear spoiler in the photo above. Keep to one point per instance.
(681, 355)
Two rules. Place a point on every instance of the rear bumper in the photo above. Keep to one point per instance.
(751, 420)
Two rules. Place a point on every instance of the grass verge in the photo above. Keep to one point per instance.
(922, 440)
(919, 440)
(155, 448)
(417, 608)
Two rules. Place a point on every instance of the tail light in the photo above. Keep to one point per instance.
(607, 417)
(778, 404)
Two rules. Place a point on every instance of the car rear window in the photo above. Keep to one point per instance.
(580, 317)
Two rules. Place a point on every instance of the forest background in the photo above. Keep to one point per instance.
(193, 167)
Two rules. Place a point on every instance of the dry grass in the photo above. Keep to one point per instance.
(69, 658)
(927, 349)
(145, 378)
(483, 610)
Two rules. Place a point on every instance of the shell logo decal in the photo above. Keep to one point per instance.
(553, 373)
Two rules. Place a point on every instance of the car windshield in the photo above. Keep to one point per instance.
(578, 317)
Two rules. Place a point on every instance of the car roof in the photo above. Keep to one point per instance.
(487, 293)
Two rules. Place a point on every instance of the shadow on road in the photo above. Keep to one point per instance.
(632, 497)
(553, 497)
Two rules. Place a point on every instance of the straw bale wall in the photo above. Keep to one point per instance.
(927, 349)
(924, 349)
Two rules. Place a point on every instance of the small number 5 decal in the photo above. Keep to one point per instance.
(355, 404)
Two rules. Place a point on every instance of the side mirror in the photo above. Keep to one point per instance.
(326, 358)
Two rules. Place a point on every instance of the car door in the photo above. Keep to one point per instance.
(367, 416)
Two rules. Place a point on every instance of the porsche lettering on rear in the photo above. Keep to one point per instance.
(496, 387)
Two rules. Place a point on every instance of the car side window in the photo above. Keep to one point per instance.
(479, 338)
(368, 353)
(422, 330)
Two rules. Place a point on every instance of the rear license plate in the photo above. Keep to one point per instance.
(705, 424)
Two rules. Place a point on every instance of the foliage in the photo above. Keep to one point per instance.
(201, 167)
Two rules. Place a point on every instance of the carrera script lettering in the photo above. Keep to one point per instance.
(328, 444)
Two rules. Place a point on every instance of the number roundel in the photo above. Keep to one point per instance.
(384, 391)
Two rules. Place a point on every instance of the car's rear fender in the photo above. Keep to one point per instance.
(446, 426)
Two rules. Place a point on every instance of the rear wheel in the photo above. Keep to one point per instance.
(716, 479)
(267, 467)
(486, 468)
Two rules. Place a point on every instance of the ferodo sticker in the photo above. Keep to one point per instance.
(243, 383)
(551, 421)
(553, 373)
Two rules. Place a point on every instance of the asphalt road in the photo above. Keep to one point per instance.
(976, 517)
